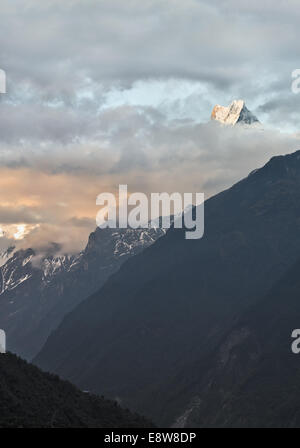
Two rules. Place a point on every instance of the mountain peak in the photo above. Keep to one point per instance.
(236, 112)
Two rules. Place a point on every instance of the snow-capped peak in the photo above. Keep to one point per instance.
(235, 113)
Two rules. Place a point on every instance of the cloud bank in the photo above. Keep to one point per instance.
(106, 92)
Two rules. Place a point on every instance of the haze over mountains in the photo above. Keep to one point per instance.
(198, 96)
(37, 292)
(189, 333)
(172, 305)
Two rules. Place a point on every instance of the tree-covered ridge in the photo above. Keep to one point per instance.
(32, 398)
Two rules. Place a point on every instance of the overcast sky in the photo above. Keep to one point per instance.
(103, 92)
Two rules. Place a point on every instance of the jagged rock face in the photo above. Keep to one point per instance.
(236, 113)
(36, 293)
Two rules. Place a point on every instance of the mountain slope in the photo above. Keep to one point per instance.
(36, 294)
(31, 398)
(253, 378)
(168, 307)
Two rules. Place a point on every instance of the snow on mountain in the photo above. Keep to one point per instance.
(36, 292)
(53, 265)
(6, 254)
(235, 113)
(16, 270)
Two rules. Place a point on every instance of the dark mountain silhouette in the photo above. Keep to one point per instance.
(36, 294)
(169, 307)
(253, 378)
(31, 398)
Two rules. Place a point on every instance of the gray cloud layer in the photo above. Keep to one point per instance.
(122, 91)
(54, 50)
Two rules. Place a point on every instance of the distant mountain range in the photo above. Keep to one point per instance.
(36, 293)
(152, 332)
(30, 398)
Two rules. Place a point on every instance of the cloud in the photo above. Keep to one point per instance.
(148, 157)
(104, 92)
(231, 48)
(19, 215)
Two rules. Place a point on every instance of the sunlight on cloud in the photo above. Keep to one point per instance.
(16, 232)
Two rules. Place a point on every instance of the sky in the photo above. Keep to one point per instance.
(106, 92)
